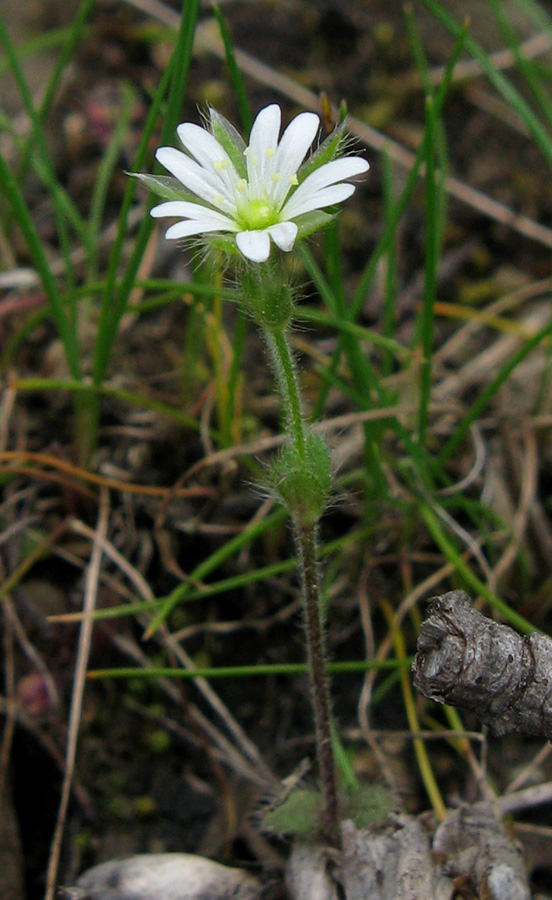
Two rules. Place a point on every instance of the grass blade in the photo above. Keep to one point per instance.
(40, 261)
(539, 133)
(114, 302)
(234, 71)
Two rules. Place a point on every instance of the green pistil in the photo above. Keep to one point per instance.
(257, 214)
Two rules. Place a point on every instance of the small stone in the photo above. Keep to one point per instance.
(167, 876)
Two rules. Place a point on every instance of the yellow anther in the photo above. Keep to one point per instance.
(269, 152)
(221, 164)
(241, 185)
(275, 178)
(293, 180)
(218, 199)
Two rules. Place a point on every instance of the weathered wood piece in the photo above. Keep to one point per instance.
(472, 843)
(467, 660)
(310, 872)
(391, 863)
(398, 861)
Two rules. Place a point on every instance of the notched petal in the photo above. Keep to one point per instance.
(265, 130)
(201, 144)
(255, 245)
(190, 227)
(284, 235)
(307, 201)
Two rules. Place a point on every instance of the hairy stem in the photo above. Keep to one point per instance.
(306, 539)
(306, 542)
(288, 387)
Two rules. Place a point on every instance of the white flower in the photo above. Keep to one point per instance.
(258, 193)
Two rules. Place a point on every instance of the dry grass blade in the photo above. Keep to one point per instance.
(528, 471)
(224, 749)
(81, 663)
(245, 749)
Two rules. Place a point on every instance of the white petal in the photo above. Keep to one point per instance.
(191, 227)
(284, 235)
(204, 184)
(255, 245)
(209, 153)
(328, 174)
(187, 210)
(296, 140)
(335, 193)
(201, 144)
(263, 140)
(334, 171)
(266, 129)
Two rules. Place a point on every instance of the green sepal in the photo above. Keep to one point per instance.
(230, 139)
(267, 295)
(303, 482)
(223, 242)
(165, 186)
(329, 149)
(313, 221)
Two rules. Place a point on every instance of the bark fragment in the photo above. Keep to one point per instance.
(467, 660)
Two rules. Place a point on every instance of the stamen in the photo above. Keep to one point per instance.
(221, 164)
(241, 185)
(269, 152)
(276, 177)
(293, 180)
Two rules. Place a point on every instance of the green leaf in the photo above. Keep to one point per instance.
(298, 814)
(370, 804)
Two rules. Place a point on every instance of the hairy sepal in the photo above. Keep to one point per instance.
(165, 186)
(230, 139)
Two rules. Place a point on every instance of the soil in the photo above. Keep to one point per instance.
(152, 774)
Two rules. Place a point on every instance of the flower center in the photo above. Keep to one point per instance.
(257, 214)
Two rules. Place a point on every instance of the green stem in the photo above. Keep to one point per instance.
(306, 543)
(288, 385)
(306, 540)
